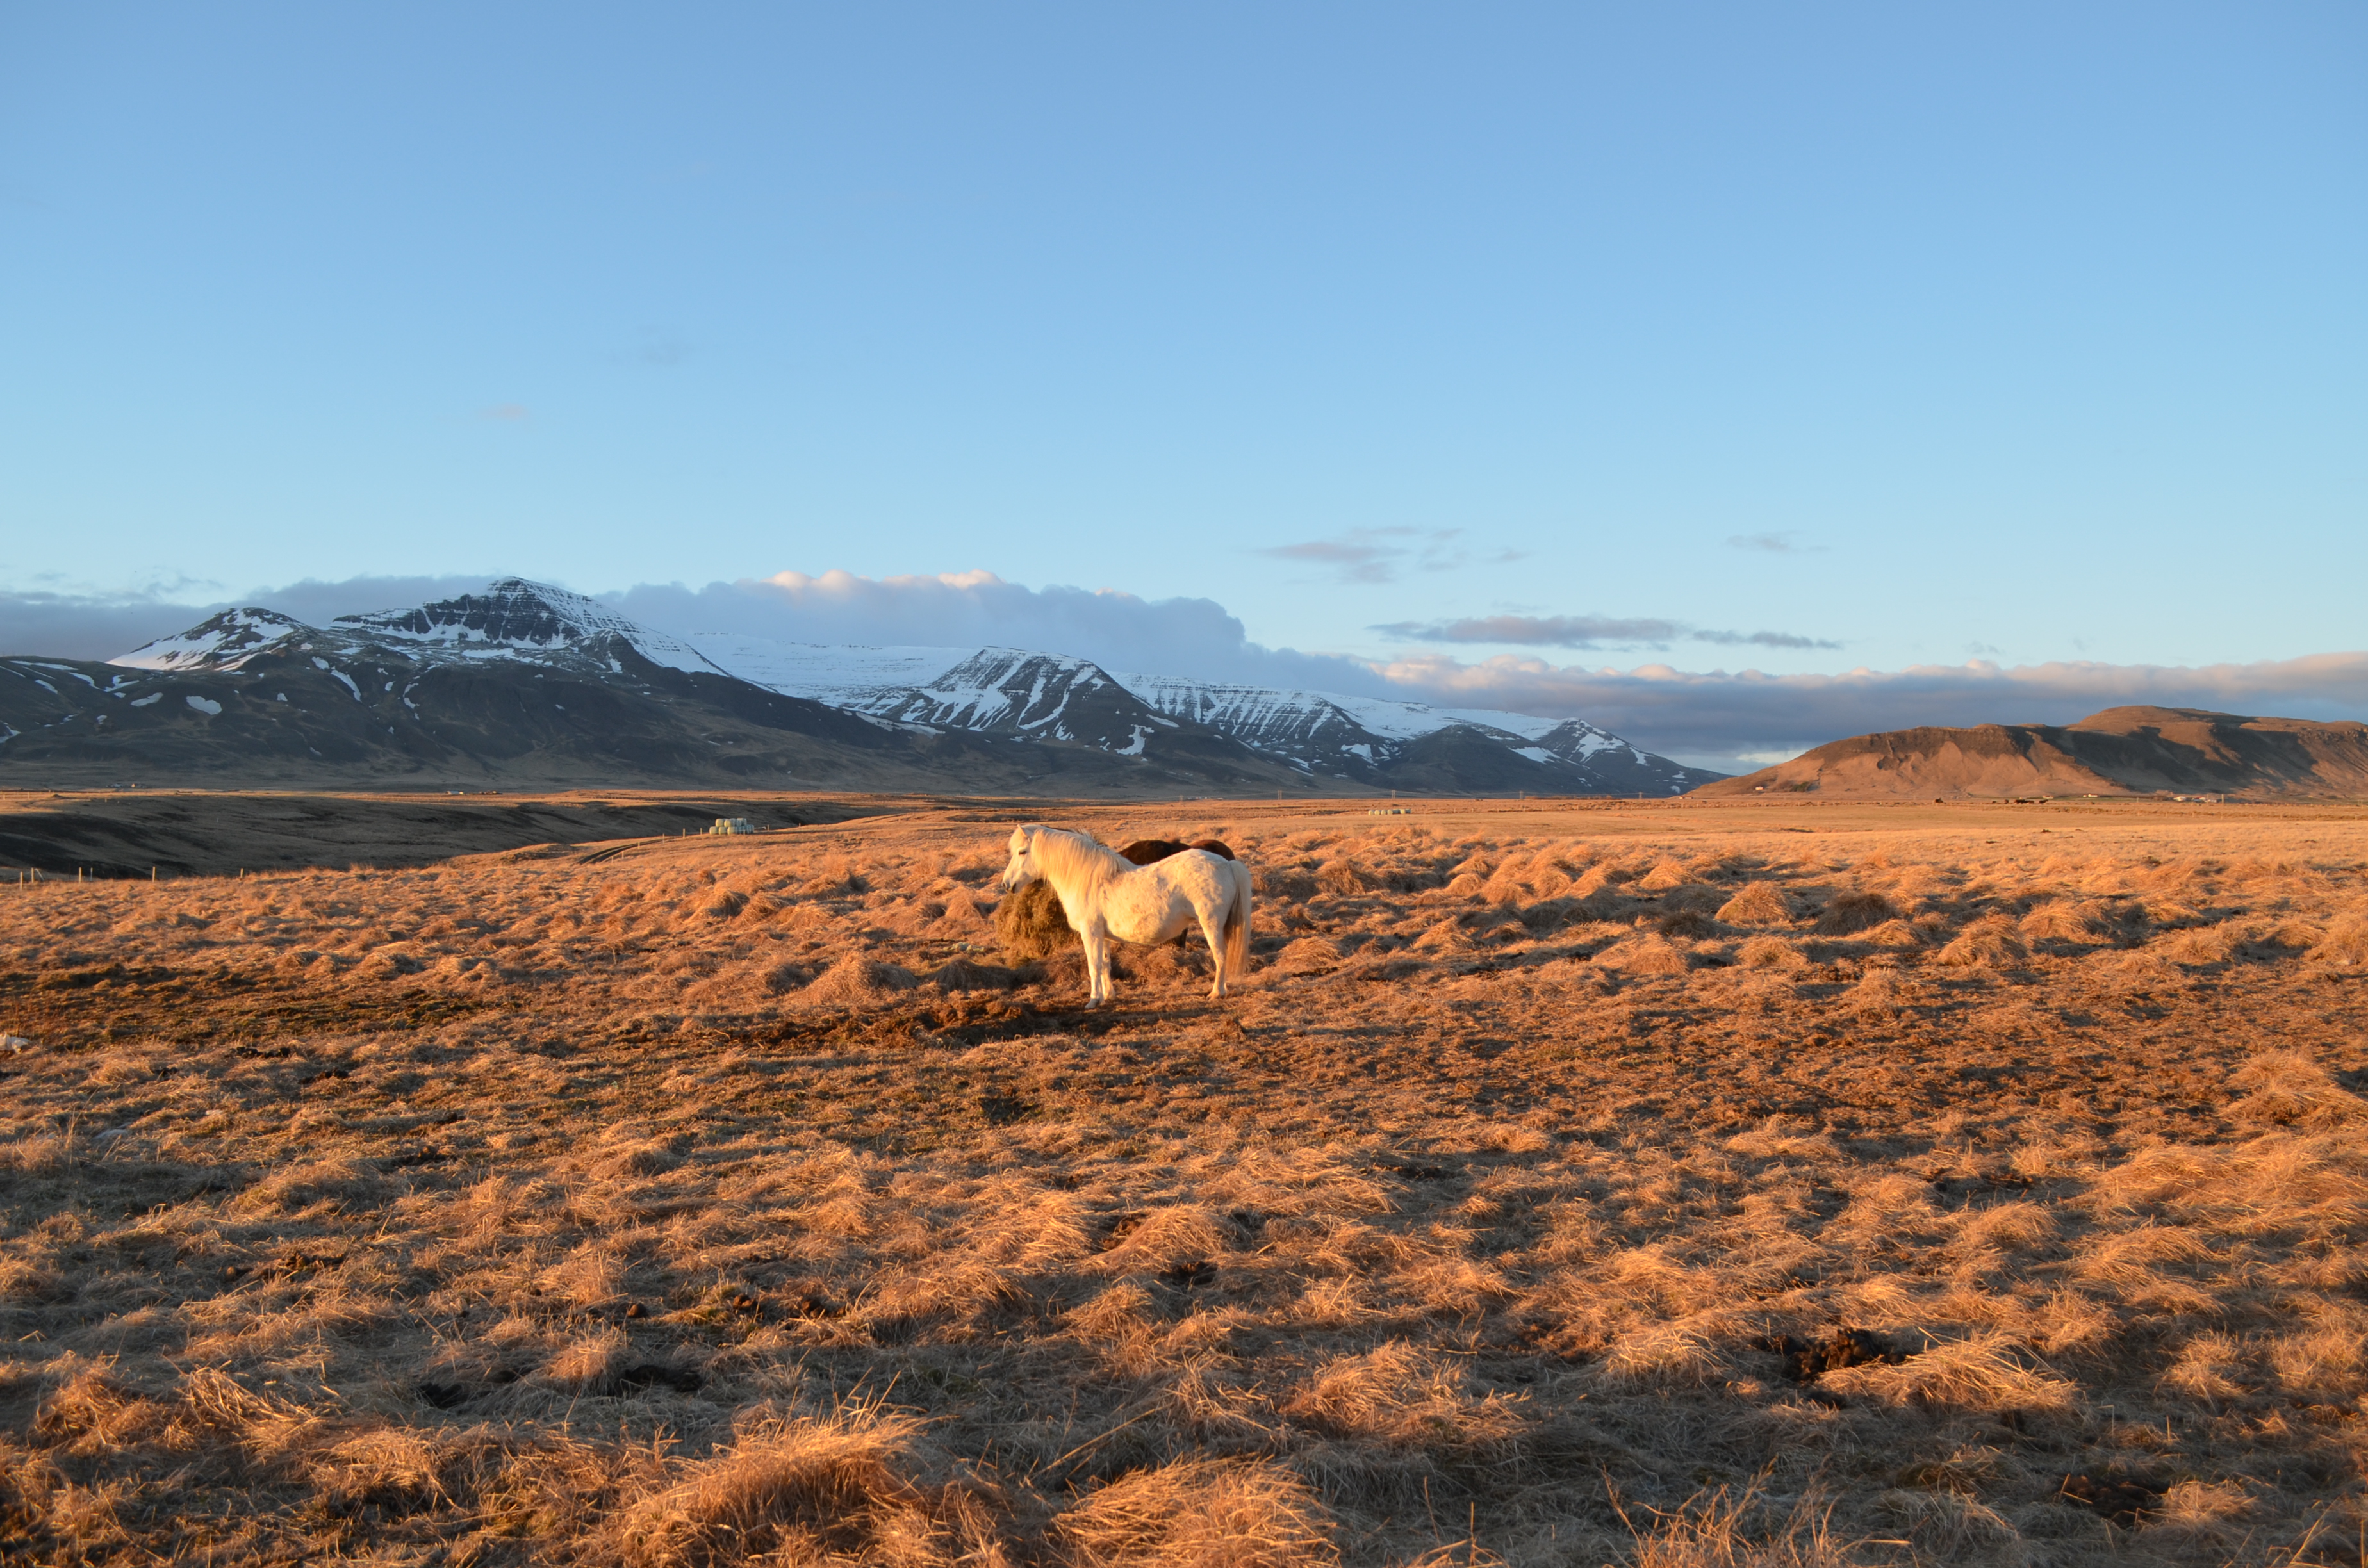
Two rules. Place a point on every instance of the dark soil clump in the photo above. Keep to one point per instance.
(2119, 1501)
(1806, 1360)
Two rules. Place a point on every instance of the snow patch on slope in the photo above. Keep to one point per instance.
(222, 642)
(514, 618)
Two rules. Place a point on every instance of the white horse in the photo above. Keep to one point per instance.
(1105, 896)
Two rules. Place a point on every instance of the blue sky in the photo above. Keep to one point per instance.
(1701, 339)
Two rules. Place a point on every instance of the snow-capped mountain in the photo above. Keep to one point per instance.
(1011, 691)
(528, 683)
(527, 677)
(222, 642)
(1330, 735)
(512, 619)
(1312, 729)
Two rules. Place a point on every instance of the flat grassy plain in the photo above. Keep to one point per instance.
(1571, 1182)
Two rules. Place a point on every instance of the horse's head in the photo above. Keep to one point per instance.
(1022, 867)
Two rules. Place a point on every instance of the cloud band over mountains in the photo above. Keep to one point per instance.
(1718, 713)
(1693, 714)
(1584, 631)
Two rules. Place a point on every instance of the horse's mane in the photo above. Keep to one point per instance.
(1070, 850)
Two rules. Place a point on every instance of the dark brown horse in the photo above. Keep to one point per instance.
(1143, 851)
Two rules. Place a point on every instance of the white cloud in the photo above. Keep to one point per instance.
(1587, 631)
(1374, 555)
(1118, 630)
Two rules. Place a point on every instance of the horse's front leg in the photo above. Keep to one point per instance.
(1097, 940)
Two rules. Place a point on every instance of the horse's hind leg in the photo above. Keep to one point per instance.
(1212, 926)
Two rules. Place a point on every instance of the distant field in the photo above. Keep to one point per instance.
(117, 835)
(1673, 1183)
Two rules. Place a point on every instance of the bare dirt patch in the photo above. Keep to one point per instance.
(1566, 1186)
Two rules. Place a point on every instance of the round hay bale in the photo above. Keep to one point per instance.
(1030, 924)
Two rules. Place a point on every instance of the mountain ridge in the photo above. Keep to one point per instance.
(1362, 740)
(527, 681)
(2137, 750)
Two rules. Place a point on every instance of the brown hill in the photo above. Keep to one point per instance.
(2122, 751)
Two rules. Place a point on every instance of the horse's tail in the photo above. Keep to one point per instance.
(1237, 925)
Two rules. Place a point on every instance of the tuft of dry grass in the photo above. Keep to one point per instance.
(2344, 943)
(1649, 955)
(2286, 1087)
(1675, 1355)
(1760, 904)
(1987, 1372)
(1994, 941)
(1851, 913)
(856, 980)
(1399, 1396)
(1724, 1529)
(1202, 1514)
(300, 1187)
(791, 1489)
(1030, 924)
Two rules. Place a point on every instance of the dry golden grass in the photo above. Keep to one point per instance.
(1763, 1187)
